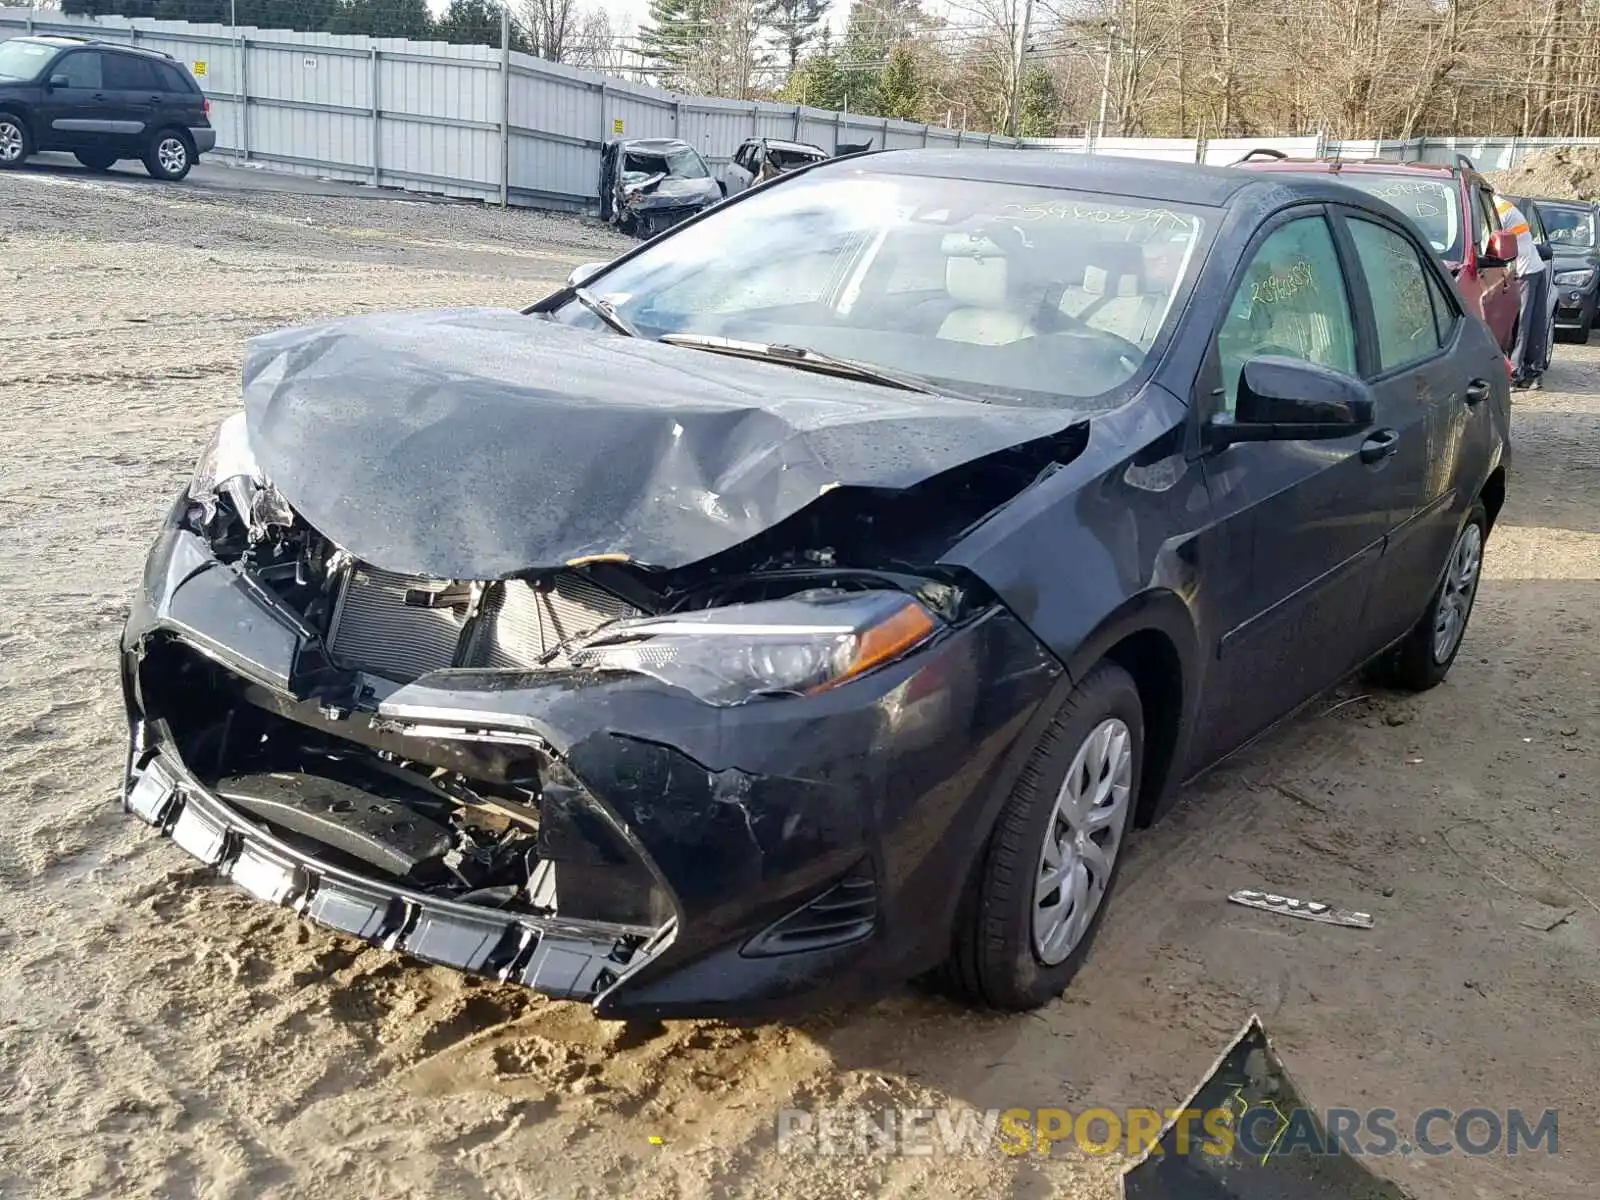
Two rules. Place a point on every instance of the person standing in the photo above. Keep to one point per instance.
(1529, 354)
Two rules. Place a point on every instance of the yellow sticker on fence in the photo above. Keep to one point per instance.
(616, 126)
(200, 69)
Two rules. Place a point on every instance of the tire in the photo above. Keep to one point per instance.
(169, 155)
(95, 161)
(1423, 660)
(1580, 335)
(16, 143)
(1004, 954)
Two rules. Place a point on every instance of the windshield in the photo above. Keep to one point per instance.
(682, 164)
(22, 61)
(1571, 227)
(1432, 205)
(1018, 294)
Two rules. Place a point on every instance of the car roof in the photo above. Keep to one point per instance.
(63, 42)
(1147, 179)
(659, 145)
(1333, 166)
(781, 144)
(1553, 202)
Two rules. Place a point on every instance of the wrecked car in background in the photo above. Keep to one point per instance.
(650, 185)
(761, 159)
(817, 595)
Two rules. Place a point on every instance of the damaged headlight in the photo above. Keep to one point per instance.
(228, 467)
(803, 644)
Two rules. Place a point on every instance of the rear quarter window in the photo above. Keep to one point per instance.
(175, 79)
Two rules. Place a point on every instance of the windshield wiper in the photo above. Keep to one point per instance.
(605, 310)
(811, 360)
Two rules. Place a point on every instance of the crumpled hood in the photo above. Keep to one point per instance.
(675, 191)
(481, 443)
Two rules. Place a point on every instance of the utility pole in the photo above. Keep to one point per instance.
(1105, 82)
(505, 104)
(241, 87)
(1016, 68)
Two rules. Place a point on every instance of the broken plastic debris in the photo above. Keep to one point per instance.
(657, 1141)
(1269, 1155)
(1308, 910)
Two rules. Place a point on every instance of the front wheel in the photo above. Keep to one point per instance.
(1053, 854)
(1425, 657)
(15, 144)
(169, 156)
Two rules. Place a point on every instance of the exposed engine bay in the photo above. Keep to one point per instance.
(495, 820)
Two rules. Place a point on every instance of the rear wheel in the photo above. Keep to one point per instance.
(94, 160)
(15, 144)
(169, 155)
(1425, 657)
(1053, 854)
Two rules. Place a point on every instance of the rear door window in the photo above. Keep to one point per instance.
(125, 73)
(1401, 307)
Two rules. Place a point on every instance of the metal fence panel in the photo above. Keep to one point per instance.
(439, 118)
(1219, 152)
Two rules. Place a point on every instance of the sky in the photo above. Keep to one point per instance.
(627, 15)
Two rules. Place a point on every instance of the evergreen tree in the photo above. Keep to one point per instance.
(877, 27)
(817, 82)
(1041, 107)
(476, 23)
(673, 30)
(795, 26)
(900, 91)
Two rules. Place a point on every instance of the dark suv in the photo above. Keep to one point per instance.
(102, 103)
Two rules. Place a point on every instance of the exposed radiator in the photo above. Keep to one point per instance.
(400, 626)
(374, 629)
(521, 622)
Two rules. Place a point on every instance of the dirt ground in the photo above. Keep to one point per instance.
(1566, 173)
(161, 1035)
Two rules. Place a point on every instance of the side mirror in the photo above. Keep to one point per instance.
(1288, 399)
(59, 81)
(582, 275)
(1546, 251)
(1502, 251)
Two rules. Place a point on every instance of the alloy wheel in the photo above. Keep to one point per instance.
(10, 142)
(1081, 840)
(1460, 587)
(172, 154)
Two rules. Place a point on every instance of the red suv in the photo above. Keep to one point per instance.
(1453, 207)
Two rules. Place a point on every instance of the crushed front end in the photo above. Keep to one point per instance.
(642, 791)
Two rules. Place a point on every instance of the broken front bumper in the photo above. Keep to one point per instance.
(802, 850)
(575, 960)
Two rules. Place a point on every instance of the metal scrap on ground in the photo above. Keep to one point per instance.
(1308, 910)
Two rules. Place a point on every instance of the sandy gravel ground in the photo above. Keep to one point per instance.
(162, 1036)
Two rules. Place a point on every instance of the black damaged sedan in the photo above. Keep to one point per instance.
(819, 595)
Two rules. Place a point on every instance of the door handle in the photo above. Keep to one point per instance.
(1477, 391)
(1380, 445)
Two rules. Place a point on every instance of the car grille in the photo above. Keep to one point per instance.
(402, 626)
